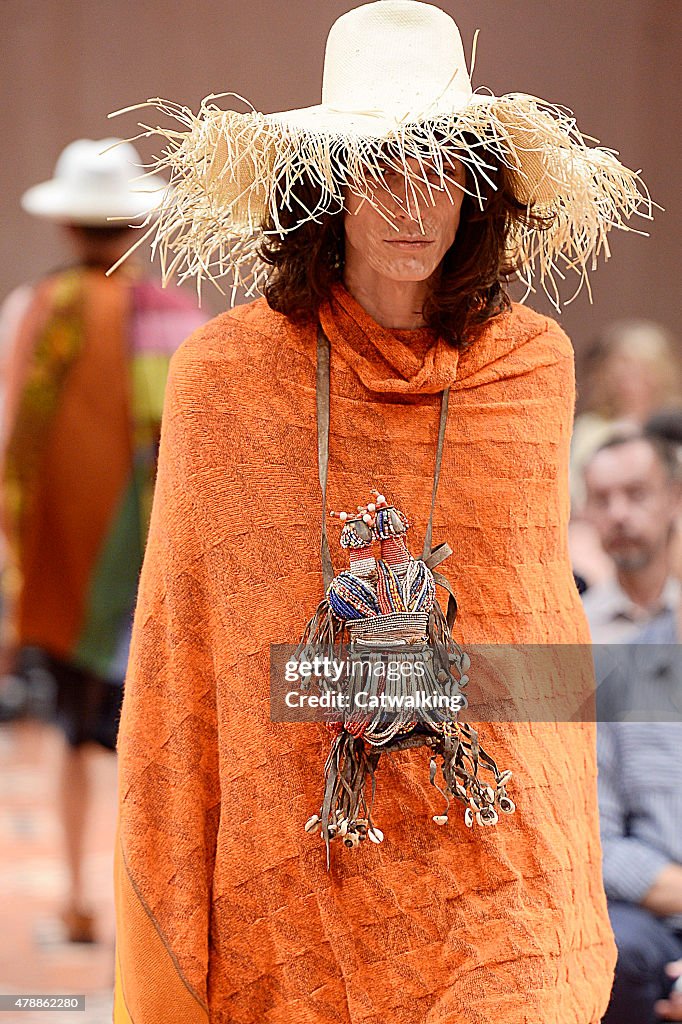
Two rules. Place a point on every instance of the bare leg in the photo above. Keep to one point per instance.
(74, 806)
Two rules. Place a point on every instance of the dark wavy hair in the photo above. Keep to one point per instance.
(307, 260)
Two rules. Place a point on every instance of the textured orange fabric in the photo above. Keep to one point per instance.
(421, 363)
(436, 925)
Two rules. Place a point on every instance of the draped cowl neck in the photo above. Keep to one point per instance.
(385, 359)
(418, 361)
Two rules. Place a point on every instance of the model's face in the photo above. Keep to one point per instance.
(631, 502)
(404, 246)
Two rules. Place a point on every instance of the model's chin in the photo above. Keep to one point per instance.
(409, 268)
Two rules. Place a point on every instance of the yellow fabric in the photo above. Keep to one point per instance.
(438, 925)
(149, 371)
(121, 1015)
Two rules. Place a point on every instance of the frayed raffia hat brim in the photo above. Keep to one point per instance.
(231, 172)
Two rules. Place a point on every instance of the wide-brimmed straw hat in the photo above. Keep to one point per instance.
(395, 87)
(92, 187)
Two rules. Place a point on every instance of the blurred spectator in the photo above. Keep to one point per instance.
(667, 426)
(640, 786)
(631, 371)
(84, 360)
(632, 501)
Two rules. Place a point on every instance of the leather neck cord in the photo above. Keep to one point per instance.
(323, 446)
(431, 557)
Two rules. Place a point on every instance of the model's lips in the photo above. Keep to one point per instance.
(409, 243)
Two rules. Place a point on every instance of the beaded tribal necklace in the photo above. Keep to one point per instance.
(404, 672)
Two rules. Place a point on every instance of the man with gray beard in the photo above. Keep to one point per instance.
(632, 499)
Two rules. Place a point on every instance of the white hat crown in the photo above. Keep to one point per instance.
(90, 164)
(94, 182)
(395, 58)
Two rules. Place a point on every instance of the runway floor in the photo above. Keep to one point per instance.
(34, 956)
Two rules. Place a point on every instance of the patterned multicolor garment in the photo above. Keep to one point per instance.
(84, 381)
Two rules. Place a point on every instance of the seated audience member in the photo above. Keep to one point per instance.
(667, 425)
(639, 742)
(633, 500)
(629, 371)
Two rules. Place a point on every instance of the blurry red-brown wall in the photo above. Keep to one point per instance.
(67, 63)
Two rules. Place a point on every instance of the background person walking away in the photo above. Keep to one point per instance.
(84, 359)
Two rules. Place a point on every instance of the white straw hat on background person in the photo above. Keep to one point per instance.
(91, 186)
(395, 87)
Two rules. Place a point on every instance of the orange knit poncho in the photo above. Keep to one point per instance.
(225, 910)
